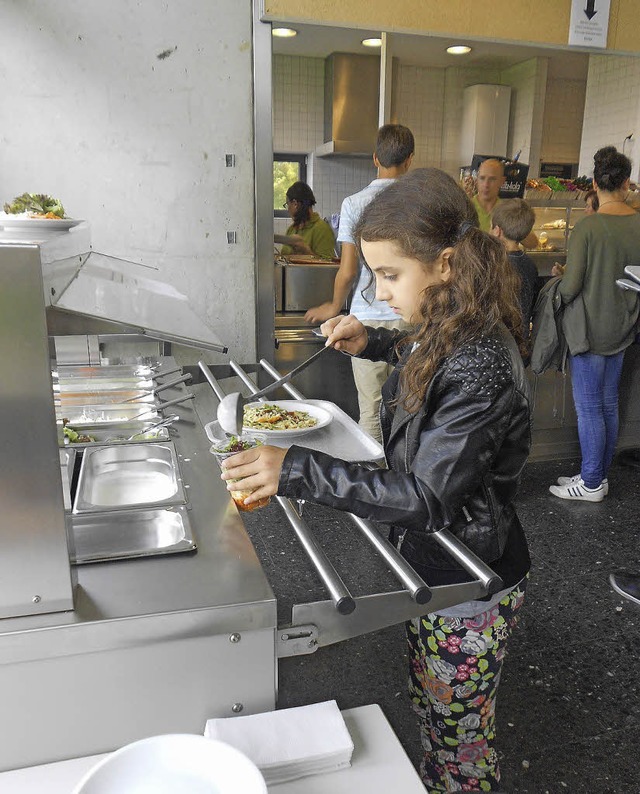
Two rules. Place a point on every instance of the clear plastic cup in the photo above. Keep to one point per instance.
(222, 450)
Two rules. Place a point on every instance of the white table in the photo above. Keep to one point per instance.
(379, 765)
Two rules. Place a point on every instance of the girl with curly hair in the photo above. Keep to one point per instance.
(455, 419)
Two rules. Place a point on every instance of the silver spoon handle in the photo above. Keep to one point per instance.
(289, 375)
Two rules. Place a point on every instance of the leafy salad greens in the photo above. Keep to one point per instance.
(35, 203)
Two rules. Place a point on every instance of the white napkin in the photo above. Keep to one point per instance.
(289, 743)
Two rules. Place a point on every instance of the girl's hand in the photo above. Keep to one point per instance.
(345, 333)
(558, 269)
(257, 469)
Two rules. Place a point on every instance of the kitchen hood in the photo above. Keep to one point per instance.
(351, 99)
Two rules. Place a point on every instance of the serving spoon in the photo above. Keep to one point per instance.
(231, 408)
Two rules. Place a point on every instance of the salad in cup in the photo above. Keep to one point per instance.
(222, 450)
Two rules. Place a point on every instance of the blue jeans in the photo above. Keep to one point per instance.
(595, 380)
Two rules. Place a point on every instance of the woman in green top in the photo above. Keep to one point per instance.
(311, 234)
(600, 248)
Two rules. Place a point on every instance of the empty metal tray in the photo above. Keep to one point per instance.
(128, 476)
(134, 533)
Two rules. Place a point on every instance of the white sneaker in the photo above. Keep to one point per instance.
(576, 479)
(578, 491)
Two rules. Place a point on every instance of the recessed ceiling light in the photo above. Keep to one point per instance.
(458, 49)
(372, 42)
(284, 33)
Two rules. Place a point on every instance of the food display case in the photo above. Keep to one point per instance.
(553, 226)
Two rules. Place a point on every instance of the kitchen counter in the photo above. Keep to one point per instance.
(153, 645)
(379, 765)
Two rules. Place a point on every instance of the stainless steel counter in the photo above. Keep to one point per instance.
(152, 645)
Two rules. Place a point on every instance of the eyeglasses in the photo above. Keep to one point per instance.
(289, 201)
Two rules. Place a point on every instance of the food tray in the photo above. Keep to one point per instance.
(128, 476)
(113, 434)
(115, 413)
(135, 533)
(75, 399)
(341, 438)
(121, 372)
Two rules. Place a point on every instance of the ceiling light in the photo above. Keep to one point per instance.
(458, 49)
(375, 42)
(284, 33)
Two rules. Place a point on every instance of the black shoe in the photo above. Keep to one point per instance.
(627, 584)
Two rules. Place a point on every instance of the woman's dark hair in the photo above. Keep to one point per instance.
(611, 168)
(302, 193)
(592, 195)
(423, 213)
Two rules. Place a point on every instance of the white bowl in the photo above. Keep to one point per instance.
(174, 764)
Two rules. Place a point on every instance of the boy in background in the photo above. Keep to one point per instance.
(512, 221)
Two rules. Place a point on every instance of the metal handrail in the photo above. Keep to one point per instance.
(410, 580)
(340, 595)
(344, 601)
(317, 624)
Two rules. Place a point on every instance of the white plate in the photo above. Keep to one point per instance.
(174, 764)
(323, 417)
(61, 225)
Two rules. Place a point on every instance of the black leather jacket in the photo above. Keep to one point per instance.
(454, 463)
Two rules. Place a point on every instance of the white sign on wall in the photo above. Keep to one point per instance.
(589, 23)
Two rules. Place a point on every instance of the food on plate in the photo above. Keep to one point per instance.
(559, 224)
(35, 205)
(73, 435)
(273, 417)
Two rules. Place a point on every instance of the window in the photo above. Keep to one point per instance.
(287, 169)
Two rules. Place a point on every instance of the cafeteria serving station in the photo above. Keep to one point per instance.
(132, 602)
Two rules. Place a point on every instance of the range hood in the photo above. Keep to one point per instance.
(351, 99)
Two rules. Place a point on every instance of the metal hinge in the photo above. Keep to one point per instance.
(297, 640)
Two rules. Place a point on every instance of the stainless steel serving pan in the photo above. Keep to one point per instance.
(114, 414)
(75, 399)
(101, 537)
(126, 372)
(128, 476)
(118, 433)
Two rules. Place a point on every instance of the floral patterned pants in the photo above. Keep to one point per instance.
(454, 671)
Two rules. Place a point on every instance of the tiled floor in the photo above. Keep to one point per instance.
(569, 709)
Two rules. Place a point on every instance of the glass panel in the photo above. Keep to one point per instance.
(104, 287)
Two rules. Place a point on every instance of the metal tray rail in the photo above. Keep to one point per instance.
(326, 622)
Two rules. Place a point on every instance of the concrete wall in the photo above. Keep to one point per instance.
(125, 111)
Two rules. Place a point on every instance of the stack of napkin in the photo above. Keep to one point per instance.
(290, 743)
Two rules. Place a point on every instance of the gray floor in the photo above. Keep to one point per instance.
(568, 711)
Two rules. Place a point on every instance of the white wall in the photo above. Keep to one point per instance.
(125, 111)
(612, 109)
